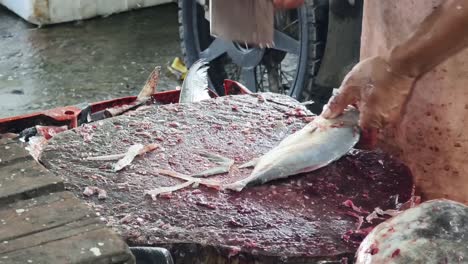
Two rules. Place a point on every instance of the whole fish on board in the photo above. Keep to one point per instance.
(319, 143)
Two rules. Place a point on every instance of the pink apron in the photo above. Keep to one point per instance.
(432, 138)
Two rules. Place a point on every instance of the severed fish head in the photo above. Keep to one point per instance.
(316, 145)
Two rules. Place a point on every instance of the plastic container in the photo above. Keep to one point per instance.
(43, 12)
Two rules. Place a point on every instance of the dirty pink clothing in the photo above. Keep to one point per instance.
(432, 137)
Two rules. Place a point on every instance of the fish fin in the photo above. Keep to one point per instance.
(225, 165)
(235, 186)
(195, 86)
(150, 86)
(241, 184)
(160, 190)
(212, 171)
(174, 174)
(217, 158)
(132, 152)
(249, 164)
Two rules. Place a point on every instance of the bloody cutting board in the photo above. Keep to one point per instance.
(298, 220)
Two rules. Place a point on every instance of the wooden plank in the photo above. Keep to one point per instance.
(10, 151)
(57, 228)
(46, 235)
(21, 177)
(98, 247)
(43, 213)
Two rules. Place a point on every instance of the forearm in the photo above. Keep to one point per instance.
(441, 35)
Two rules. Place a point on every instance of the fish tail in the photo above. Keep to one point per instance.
(235, 186)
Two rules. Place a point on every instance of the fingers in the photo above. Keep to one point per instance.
(346, 96)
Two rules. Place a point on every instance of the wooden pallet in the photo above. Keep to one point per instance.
(42, 223)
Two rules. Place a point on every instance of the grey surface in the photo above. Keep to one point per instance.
(433, 232)
(85, 61)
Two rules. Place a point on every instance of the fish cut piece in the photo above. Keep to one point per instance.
(128, 158)
(133, 151)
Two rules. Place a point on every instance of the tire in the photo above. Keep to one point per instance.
(312, 25)
(151, 255)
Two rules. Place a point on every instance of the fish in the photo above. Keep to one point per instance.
(195, 85)
(129, 156)
(145, 95)
(189, 180)
(150, 86)
(316, 145)
(224, 163)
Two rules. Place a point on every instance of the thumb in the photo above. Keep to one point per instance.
(337, 103)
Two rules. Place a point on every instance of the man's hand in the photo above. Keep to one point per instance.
(288, 4)
(380, 86)
(376, 89)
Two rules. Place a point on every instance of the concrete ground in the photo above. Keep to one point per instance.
(85, 61)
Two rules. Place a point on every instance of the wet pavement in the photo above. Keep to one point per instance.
(85, 61)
